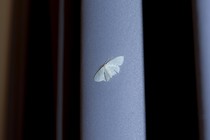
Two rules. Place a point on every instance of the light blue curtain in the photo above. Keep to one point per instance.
(113, 110)
(202, 24)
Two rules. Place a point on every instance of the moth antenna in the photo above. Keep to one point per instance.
(108, 59)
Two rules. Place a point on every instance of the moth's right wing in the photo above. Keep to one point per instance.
(117, 61)
(100, 75)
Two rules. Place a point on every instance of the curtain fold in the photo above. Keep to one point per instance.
(5, 39)
(201, 39)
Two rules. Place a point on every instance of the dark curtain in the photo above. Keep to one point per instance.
(33, 65)
(71, 84)
(170, 84)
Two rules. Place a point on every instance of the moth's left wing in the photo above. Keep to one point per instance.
(100, 76)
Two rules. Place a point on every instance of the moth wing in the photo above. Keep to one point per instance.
(112, 69)
(107, 74)
(100, 75)
(116, 61)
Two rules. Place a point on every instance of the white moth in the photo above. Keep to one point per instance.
(109, 69)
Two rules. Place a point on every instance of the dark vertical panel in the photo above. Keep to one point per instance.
(39, 101)
(54, 45)
(171, 104)
(71, 93)
(17, 70)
